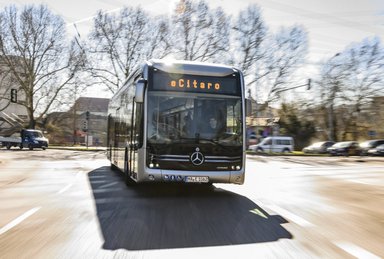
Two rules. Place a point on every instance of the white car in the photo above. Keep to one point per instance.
(275, 144)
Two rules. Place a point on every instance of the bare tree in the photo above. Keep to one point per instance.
(35, 52)
(200, 34)
(119, 43)
(267, 60)
(249, 32)
(331, 77)
(363, 70)
(285, 52)
(348, 81)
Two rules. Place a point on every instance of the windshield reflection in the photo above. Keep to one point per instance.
(180, 119)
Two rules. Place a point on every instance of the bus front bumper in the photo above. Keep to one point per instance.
(160, 175)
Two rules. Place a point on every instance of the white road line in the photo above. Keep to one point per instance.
(289, 215)
(356, 250)
(285, 214)
(65, 188)
(18, 220)
(107, 185)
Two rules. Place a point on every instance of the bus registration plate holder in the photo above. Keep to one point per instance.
(196, 179)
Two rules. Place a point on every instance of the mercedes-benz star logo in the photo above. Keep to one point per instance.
(197, 158)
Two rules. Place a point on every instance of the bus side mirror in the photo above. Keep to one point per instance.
(140, 89)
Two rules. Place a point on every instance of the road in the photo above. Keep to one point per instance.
(69, 204)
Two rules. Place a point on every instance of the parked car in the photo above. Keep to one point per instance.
(274, 144)
(377, 151)
(365, 146)
(318, 147)
(344, 148)
(252, 140)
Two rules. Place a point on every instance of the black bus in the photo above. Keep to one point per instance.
(179, 121)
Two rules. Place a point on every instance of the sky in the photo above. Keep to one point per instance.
(331, 24)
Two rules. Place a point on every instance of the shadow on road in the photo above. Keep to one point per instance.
(160, 216)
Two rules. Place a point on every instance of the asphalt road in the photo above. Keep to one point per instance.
(69, 204)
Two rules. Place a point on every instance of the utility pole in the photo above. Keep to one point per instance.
(87, 114)
(74, 121)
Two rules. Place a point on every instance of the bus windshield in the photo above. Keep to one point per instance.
(174, 118)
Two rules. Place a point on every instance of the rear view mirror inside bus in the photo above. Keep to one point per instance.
(140, 89)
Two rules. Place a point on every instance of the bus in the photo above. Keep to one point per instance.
(179, 121)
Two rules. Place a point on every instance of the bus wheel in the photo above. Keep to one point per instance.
(208, 185)
(9, 145)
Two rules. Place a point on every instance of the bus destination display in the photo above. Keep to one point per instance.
(196, 84)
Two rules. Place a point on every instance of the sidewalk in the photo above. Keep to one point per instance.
(78, 148)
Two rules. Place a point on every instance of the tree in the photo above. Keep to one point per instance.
(330, 80)
(37, 55)
(348, 81)
(249, 32)
(285, 51)
(301, 129)
(267, 60)
(119, 43)
(200, 34)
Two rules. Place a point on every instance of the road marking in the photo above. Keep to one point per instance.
(65, 188)
(356, 250)
(289, 215)
(285, 214)
(107, 185)
(259, 213)
(18, 220)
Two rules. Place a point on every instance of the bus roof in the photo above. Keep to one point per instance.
(191, 67)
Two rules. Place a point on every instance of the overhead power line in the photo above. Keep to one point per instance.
(322, 17)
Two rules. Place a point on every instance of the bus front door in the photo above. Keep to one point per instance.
(133, 146)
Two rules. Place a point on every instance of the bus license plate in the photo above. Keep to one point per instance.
(196, 179)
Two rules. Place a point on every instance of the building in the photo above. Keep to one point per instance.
(375, 118)
(13, 115)
(85, 122)
(261, 121)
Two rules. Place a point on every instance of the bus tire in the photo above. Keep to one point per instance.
(113, 167)
(129, 181)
